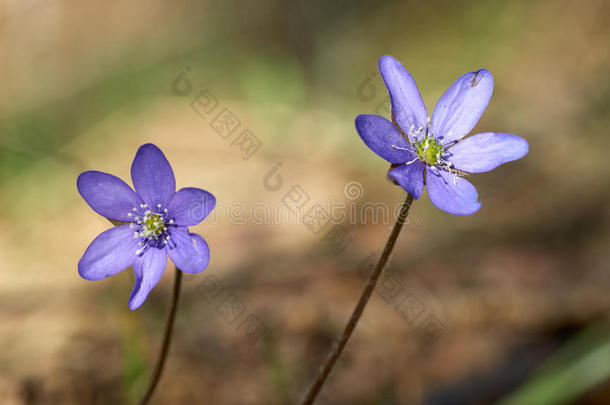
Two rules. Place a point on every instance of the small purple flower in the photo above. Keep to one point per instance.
(156, 220)
(434, 151)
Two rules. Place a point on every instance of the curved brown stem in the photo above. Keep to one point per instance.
(359, 309)
(169, 327)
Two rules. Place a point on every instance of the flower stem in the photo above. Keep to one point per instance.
(169, 326)
(359, 309)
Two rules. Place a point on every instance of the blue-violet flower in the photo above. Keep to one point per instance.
(155, 220)
(434, 151)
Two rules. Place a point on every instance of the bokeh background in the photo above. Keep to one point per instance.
(508, 306)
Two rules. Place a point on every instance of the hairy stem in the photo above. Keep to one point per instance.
(359, 309)
(169, 327)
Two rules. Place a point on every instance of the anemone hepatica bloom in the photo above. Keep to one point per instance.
(155, 220)
(434, 151)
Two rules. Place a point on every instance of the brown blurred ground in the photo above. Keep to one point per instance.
(85, 84)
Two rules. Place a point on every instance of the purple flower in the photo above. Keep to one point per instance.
(156, 220)
(434, 151)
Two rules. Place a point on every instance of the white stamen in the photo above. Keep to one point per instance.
(399, 148)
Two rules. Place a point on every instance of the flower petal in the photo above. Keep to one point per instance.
(410, 177)
(407, 105)
(148, 268)
(486, 151)
(459, 198)
(152, 176)
(110, 253)
(189, 206)
(108, 195)
(459, 109)
(189, 252)
(380, 135)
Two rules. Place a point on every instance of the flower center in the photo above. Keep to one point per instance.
(429, 150)
(151, 227)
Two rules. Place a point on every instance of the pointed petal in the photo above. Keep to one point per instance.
(486, 151)
(410, 177)
(189, 252)
(152, 176)
(380, 135)
(108, 195)
(148, 268)
(459, 198)
(110, 253)
(189, 206)
(407, 105)
(459, 109)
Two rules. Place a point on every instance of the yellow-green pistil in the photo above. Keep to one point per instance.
(153, 225)
(429, 150)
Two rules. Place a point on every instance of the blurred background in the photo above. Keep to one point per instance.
(256, 102)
